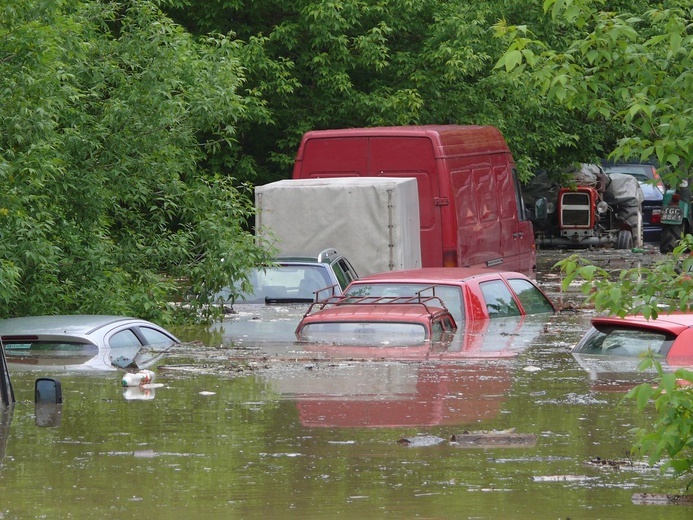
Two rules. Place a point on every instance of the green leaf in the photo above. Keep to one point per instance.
(512, 60)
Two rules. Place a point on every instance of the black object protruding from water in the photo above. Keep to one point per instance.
(6, 390)
(48, 390)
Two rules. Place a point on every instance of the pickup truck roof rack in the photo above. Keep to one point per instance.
(349, 300)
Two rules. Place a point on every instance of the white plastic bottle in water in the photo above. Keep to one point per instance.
(143, 377)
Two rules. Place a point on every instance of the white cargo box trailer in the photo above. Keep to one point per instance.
(373, 221)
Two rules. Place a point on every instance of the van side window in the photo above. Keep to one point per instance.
(499, 299)
(521, 209)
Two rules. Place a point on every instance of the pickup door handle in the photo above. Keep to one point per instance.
(518, 235)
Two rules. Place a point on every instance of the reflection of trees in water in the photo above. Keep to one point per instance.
(502, 307)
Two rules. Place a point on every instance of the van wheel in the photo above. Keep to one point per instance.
(625, 240)
(671, 235)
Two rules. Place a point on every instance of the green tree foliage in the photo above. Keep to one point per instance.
(632, 66)
(347, 63)
(108, 111)
(666, 286)
(671, 436)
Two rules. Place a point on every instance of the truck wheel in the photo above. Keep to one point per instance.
(639, 237)
(632, 215)
(625, 240)
(670, 238)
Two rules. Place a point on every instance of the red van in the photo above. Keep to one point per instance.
(471, 207)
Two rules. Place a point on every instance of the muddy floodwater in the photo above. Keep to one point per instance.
(505, 424)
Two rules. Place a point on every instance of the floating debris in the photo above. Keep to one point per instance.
(421, 441)
(650, 499)
(609, 463)
(561, 478)
(488, 439)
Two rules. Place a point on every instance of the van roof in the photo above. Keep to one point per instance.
(437, 275)
(447, 139)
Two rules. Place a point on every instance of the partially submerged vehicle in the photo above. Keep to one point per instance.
(396, 321)
(676, 215)
(471, 210)
(97, 342)
(294, 279)
(589, 208)
(669, 337)
(468, 293)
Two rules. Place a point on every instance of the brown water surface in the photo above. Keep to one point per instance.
(319, 437)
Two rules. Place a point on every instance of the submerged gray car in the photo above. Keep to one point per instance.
(83, 341)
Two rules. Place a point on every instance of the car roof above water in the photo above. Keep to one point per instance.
(668, 322)
(438, 274)
(65, 324)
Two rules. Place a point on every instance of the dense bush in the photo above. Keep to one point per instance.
(108, 114)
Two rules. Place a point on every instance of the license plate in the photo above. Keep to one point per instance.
(672, 215)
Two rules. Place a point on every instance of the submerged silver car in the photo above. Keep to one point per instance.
(296, 280)
(84, 341)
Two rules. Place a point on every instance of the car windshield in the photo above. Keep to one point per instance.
(286, 282)
(450, 295)
(623, 342)
(645, 173)
(364, 333)
(632, 169)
